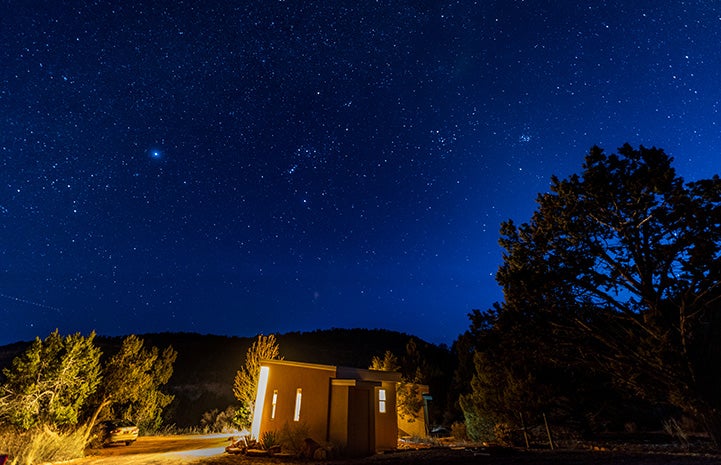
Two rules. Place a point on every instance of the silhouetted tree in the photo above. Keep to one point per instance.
(516, 374)
(627, 256)
(524, 368)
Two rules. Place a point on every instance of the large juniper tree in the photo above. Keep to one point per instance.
(133, 379)
(49, 384)
(627, 255)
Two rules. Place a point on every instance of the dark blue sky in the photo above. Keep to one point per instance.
(235, 168)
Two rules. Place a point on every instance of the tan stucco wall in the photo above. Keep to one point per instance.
(315, 385)
(338, 429)
(386, 431)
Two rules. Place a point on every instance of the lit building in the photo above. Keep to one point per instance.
(351, 408)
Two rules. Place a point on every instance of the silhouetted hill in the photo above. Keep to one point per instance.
(206, 365)
(10, 351)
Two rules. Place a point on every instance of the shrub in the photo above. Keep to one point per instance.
(503, 433)
(479, 427)
(292, 437)
(458, 431)
(217, 421)
(676, 431)
(269, 439)
(41, 445)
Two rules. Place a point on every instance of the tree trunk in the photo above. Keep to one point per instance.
(89, 425)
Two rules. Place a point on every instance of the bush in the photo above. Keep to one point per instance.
(503, 433)
(242, 417)
(41, 445)
(292, 437)
(479, 427)
(269, 439)
(676, 431)
(217, 421)
(458, 431)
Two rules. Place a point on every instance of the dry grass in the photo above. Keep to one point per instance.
(41, 446)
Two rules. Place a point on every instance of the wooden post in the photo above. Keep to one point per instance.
(548, 432)
(525, 433)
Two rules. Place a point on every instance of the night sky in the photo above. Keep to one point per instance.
(239, 167)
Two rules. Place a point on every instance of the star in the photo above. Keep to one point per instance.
(333, 153)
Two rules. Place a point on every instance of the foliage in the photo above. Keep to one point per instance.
(218, 421)
(50, 382)
(459, 431)
(41, 445)
(54, 385)
(410, 401)
(522, 370)
(269, 439)
(479, 427)
(246, 379)
(293, 435)
(503, 433)
(408, 396)
(242, 416)
(131, 387)
(388, 362)
(206, 366)
(626, 259)
(676, 431)
(459, 384)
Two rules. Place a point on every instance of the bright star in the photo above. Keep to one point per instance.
(155, 154)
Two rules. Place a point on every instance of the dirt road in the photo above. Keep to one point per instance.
(159, 450)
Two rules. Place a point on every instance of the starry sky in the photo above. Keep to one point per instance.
(234, 167)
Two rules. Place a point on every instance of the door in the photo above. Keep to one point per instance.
(359, 422)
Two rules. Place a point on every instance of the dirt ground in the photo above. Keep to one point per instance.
(480, 456)
(209, 450)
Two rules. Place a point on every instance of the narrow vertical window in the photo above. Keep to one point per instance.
(382, 400)
(275, 401)
(298, 398)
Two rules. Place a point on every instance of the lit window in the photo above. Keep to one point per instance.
(275, 401)
(298, 397)
(382, 400)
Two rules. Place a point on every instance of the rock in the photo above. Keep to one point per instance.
(320, 454)
(309, 448)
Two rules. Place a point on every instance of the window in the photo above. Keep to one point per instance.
(298, 398)
(382, 400)
(275, 401)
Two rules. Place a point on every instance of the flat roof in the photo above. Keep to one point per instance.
(341, 372)
(315, 366)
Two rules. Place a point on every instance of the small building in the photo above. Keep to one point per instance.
(353, 409)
